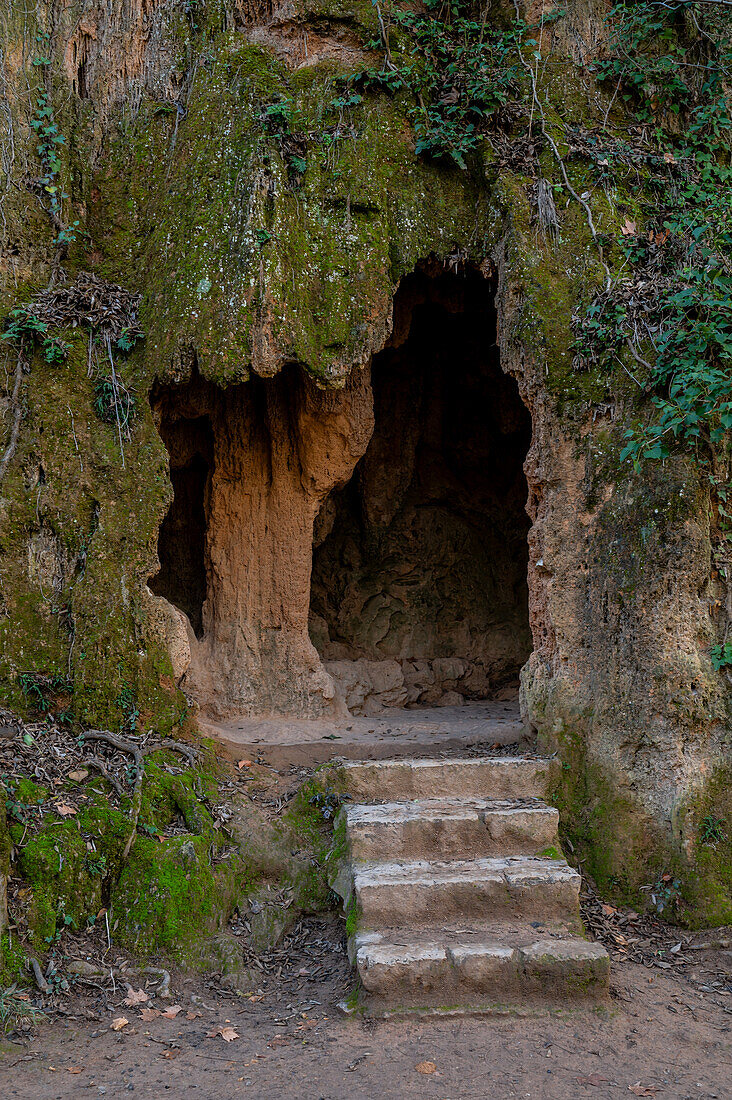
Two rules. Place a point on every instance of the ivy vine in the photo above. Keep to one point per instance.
(671, 307)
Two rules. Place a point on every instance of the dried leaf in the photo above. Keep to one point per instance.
(644, 1090)
(191, 1015)
(593, 1079)
(669, 158)
(609, 910)
(244, 764)
(425, 1067)
(172, 1012)
(118, 1023)
(79, 775)
(628, 228)
(64, 809)
(228, 1034)
(74, 1069)
(147, 1015)
(135, 997)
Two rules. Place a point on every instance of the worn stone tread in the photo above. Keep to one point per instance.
(435, 828)
(453, 777)
(404, 891)
(490, 962)
(459, 901)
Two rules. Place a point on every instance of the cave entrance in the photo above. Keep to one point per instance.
(182, 542)
(419, 581)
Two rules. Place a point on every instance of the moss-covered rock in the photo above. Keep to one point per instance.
(172, 894)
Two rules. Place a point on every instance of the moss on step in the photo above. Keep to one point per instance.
(552, 852)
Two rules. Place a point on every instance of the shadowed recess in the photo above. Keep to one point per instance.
(422, 557)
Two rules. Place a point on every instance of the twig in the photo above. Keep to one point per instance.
(76, 442)
(384, 36)
(38, 975)
(95, 762)
(17, 417)
(122, 744)
(115, 390)
(558, 157)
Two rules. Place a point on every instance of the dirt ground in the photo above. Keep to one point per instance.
(665, 1032)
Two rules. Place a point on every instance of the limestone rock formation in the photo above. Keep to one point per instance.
(294, 417)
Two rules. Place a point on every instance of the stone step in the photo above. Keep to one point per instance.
(478, 967)
(443, 828)
(458, 777)
(422, 892)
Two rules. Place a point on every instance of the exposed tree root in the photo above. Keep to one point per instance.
(138, 752)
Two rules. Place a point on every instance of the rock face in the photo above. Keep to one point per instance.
(354, 463)
(250, 467)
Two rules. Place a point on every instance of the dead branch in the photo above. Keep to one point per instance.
(38, 975)
(17, 417)
(95, 762)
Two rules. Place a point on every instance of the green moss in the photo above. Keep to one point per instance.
(353, 917)
(552, 852)
(171, 894)
(315, 833)
(618, 843)
(68, 864)
(13, 969)
(707, 824)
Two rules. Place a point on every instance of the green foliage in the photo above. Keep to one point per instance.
(42, 691)
(671, 64)
(114, 403)
(127, 339)
(277, 115)
(722, 655)
(50, 141)
(16, 1011)
(666, 895)
(712, 829)
(23, 328)
(459, 71)
(327, 802)
(127, 702)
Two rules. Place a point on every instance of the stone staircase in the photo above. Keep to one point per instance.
(457, 894)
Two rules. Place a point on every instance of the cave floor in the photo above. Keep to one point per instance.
(475, 728)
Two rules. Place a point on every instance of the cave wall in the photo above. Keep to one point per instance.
(246, 268)
(419, 590)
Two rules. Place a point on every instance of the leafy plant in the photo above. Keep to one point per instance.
(722, 655)
(127, 339)
(666, 894)
(712, 830)
(17, 1011)
(97, 864)
(277, 115)
(459, 71)
(127, 702)
(23, 328)
(327, 802)
(114, 403)
(668, 320)
(41, 690)
(50, 141)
